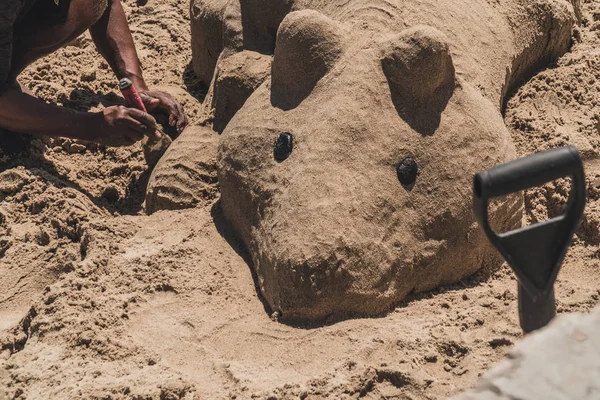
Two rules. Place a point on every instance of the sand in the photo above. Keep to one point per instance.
(100, 301)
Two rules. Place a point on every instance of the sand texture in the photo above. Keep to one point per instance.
(99, 300)
(557, 362)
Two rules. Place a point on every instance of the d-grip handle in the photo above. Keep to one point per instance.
(534, 252)
(527, 172)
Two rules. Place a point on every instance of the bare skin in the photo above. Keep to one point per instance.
(115, 126)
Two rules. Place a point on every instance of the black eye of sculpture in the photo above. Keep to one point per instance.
(283, 146)
(407, 171)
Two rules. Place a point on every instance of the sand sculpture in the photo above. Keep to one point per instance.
(350, 134)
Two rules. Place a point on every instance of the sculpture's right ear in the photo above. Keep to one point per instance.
(308, 45)
(419, 69)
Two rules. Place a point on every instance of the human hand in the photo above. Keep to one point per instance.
(121, 126)
(157, 100)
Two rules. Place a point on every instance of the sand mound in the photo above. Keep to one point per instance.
(59, 221)
(186, 175)
(237, 78)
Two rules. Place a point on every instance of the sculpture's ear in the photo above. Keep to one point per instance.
(308, 44)
(420, 73)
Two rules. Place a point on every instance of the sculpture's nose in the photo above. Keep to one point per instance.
(308, 275)
(330, 249)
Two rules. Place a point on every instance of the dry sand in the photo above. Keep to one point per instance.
(99, 301)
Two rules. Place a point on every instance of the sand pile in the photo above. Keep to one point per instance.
(101, 301)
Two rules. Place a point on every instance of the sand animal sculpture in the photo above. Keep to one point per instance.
(350, 132)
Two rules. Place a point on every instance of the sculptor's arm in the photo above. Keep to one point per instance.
(114, 126)
(20, 112)
(113, 39)
(23, 113)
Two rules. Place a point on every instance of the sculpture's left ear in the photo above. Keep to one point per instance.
(419, 69)
(418, 63)
(308, 45)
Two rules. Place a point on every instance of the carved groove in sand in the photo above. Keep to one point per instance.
(361, 86)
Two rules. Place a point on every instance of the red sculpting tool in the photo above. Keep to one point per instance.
(154, 146)
(131, 95)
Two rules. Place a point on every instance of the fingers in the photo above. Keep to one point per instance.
(177, 116)
(166, 102)
(134, 131)
(142, 117)
(160, 100)
(142, 123)
(151, 103)
(182, 120)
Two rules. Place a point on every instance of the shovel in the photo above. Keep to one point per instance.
(535, 252)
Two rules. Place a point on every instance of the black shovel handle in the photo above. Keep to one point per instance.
(527, 172)
(535, 312)
(534, 252)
